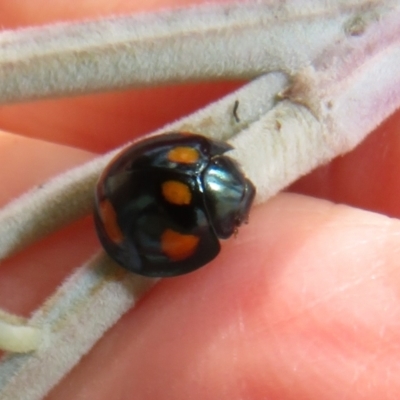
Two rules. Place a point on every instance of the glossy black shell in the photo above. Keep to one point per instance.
(131, 213)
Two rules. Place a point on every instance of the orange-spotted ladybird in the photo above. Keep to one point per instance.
(163, 203)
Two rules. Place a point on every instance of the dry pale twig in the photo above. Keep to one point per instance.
(242, 40)
(337, 79)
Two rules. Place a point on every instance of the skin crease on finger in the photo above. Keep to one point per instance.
(291, 326)
(273, 329)
(306, 309)
(304, 304)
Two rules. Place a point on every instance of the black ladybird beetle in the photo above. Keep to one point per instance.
(163, 203)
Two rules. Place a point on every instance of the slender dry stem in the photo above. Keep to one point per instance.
(335, 78)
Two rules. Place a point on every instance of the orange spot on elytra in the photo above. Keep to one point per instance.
(183, 155)
(178, 246)
(176, 192)
(109, 218)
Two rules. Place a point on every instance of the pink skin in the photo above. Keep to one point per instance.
(303, 304)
